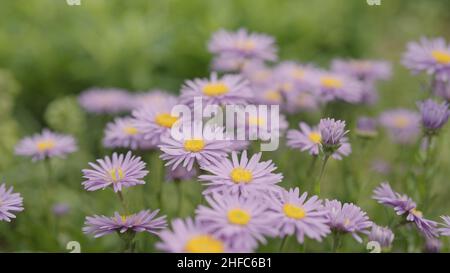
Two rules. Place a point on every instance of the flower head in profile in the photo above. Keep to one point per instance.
(295, 214)
(363, 70)
(428, 55)
(242, 176)
(366, 127)
(243, 44)
(434, 115)
(242, 221)
(9, 202)
(105, 101)
(332, 131)
(402, 125)
(228, 89)
(143, 221)
(118, 171)
(189, 236)
(383, 235)
(347, 218)
(404, 205)
(310, 139)
(45, 145)
(121, 133)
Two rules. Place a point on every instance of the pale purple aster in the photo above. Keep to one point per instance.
(332, 131)
(403, 125)
(293, 213)
(258, 74)
(118, 171)
(268, 95)
(180, 173)
(190, 150)
(432, 245)
(381, 166)
(442, 89)
(301, 101)
(60, 209)
(434, 114)
(243, 221)
(404, 205)
(366, 127)
(229, 63)
(383, 235)
(154, 122)
(428, 55)
(261, 126)
(228, 89)
(330, 86)
(363, 70)
(445, 229)
(46, 145)
(121, 133)
(144, 220)
(310, 139)
(105, 101)
(9, 202)
(300, 75)
(245, 176)
(347, 218)
(369, 94)
(152, 98)
(189, 236)
(243, 44)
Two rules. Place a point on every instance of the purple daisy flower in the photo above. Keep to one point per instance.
(121, 133)
(383, 235)
(155, 122)
(191, 237)
(105, 101)
(310, 139)
(60, 209)
(332, 131)
(434, 115)
(118, 171)
(403, 125)
(404, 205)
(241, 221)
(294, 214)
(228, 89)
(301, 101)
(445, 230)
(46, 145)
(366, 127)
(242, 176)
(363, 70)
(268, 95)
(347, 218)
(9, 202)
(153, 98)
(180, 173)
(432, 245)
(430, 56)
(258, 74)
(144, 220)
(243, 44)
(332, 86)
(261, 126)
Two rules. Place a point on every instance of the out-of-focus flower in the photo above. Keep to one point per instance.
(259, 126)
(292, 214)
(403, 125)
(383, 235)
(347, 218)
(430, 56)
(381, 166)
(191, 237)
(9, 202)
(366, 127)
(105, 101)
(404, 205)
(117, 171)
(442, 89)
(121, 133)
(243, 44)
(364, 70)
(445, 229)
(432, 245)
(332, 86)
(228, 89)
(258, 74)
(180, 173)
(46, 145)
(245, 176)
(60, 209)
(154, 98)
(144, 220)
(243, 221)
(434, 115)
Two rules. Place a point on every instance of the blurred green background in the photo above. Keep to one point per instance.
(50, 51)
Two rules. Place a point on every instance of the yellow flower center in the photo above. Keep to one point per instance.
(416, 212)
(130, 130)
(260, 76)
(204, 244)
(401, 122)
(165, 120)
(346, 222)
(287, 86)
(123, 218)
(238, 217)
(298, 73)
(215, 89)
(293, 211)
(315, 137)
(255, 121)
(194, 145)
(246, 45)
(240, 175)
(45, 145)
(331, 82)
(116, 174)
(272, 95)
(441, 56)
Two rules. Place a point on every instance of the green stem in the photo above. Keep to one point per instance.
(336, 241)
(283, 243)
(129, 243)
(423, 191)
(122, 201)
(180, 197)
(322, 170)
(311, 166)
